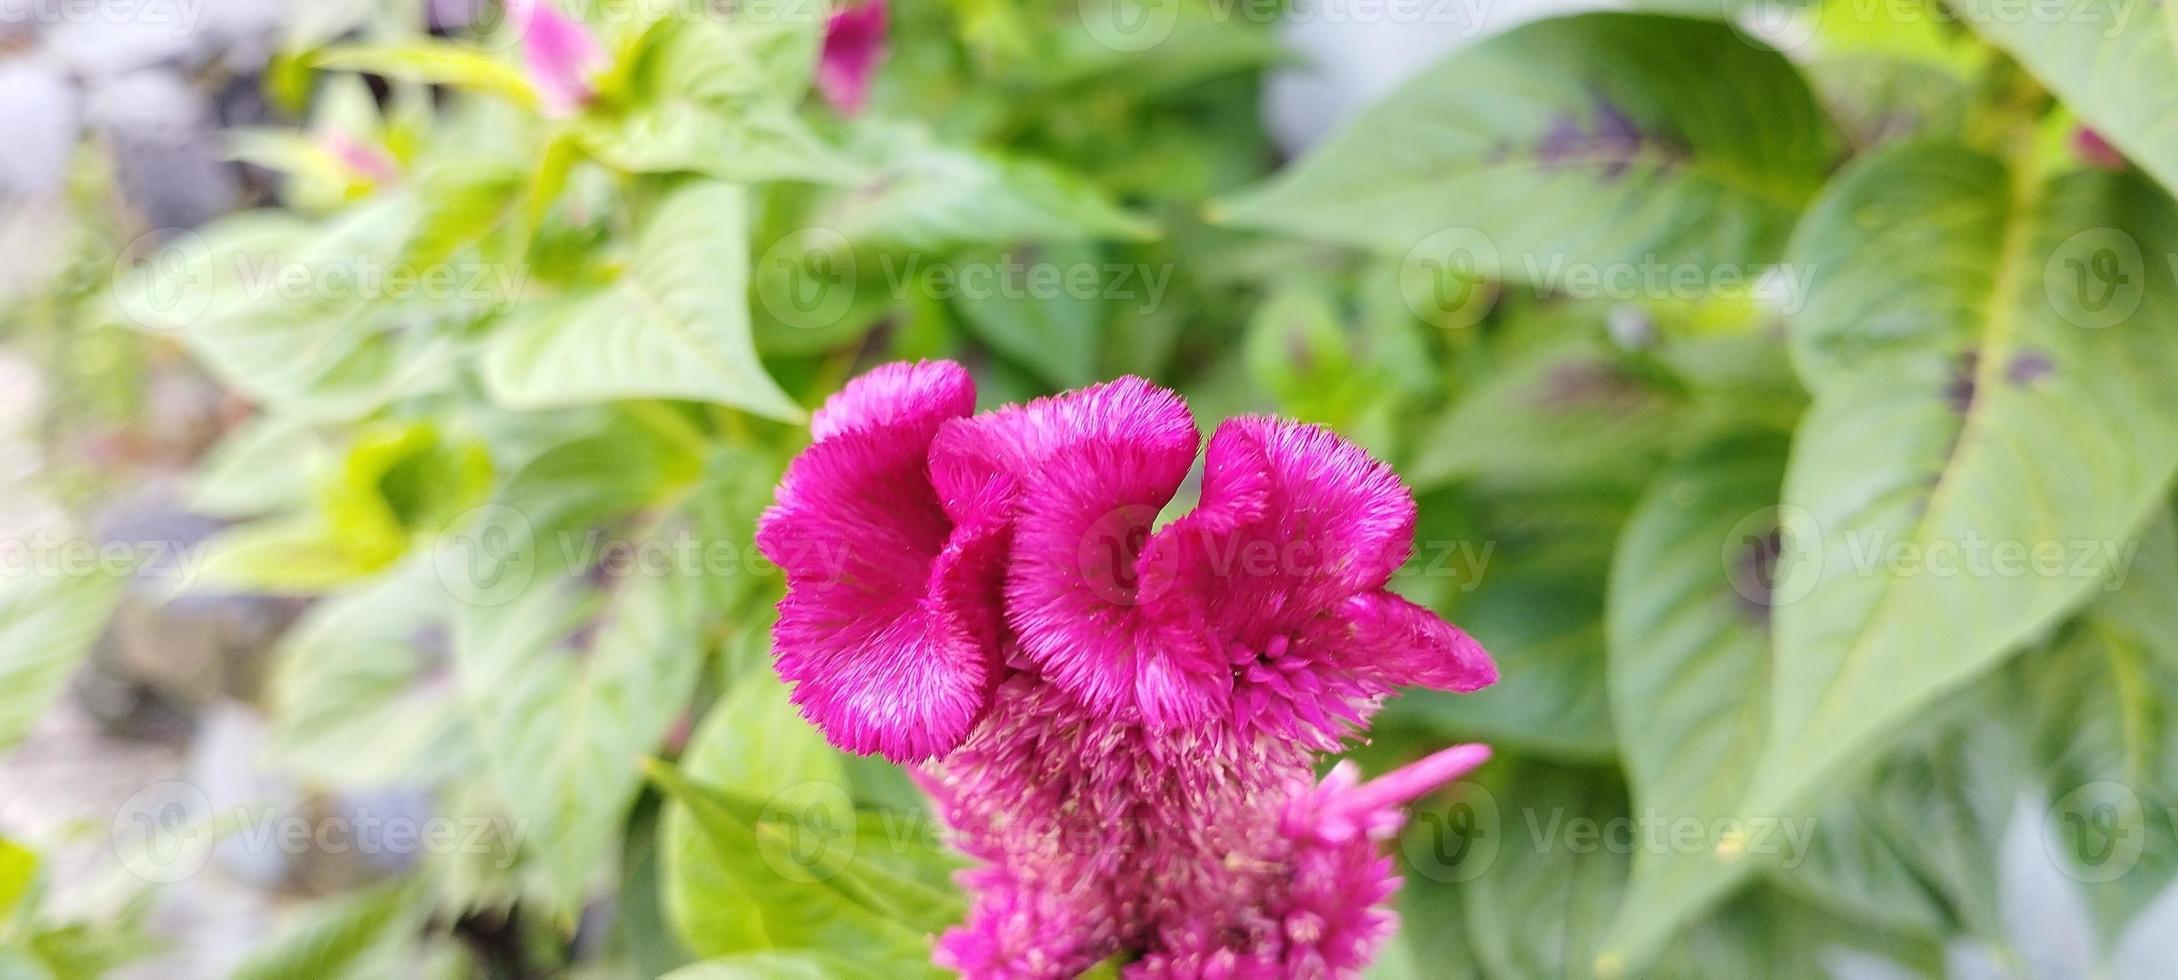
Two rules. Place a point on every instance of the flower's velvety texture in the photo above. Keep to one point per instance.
(1118, 720)
(854, 42)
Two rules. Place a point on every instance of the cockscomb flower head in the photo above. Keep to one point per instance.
(1118, 720)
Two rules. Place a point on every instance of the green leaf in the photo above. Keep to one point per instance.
(463, 203)
(1537, 907)
(358, 692)
(300, 554)
(48, 621)
(2115, 65)
(753, 743)
(753, 144)
(1582, 140)
(2101, 732)
(1051, 326)
(765, 54)
(1571, 412)
(259, 467)
(568, 686)
(438, 63)
(675, 324)
(803, 884)
(1983, 406)
(347, 936)
(315, 322)
(928, 196)
(1536, 577)
(1688, 620)
(1545, 629)
(776, 966)
(18, 871)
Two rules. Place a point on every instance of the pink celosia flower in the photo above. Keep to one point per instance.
(1119, 721)
(854, 41)
(562, 55)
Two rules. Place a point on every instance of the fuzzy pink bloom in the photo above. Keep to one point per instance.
(854, 42)
(563, 56)
(1120, 721)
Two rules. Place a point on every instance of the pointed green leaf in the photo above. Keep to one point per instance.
(569, 686)
(1590, 139)
(1688, 620)
(1990, 357)
(2113, 62)
(675, 324)
(48, 622)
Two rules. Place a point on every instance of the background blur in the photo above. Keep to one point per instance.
(387, 395)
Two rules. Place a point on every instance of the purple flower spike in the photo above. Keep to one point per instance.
(563, 57)
(1121, 721)
(854, 42)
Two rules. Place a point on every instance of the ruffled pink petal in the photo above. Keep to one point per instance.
(1395, 643)
(854, 42)
(889, 628)
(561, 53)
(910, 393)
(1083, 477)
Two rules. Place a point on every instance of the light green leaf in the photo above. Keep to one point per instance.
(928, 196)
(1589, 140)
(48, 621)
(753, 743)
(259, 467)
(353, 698)
(18, 871)
(436, 62)
(675, 324)
(567, 687)
(465, 202)
(751, 144)
(2114, 63)
(765, 54)
(1991, 422)
(316, 322)
(776, 966)
(809, 894)
(2099, 705)
(294, 555)
(353, 935)
(1688, 620)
